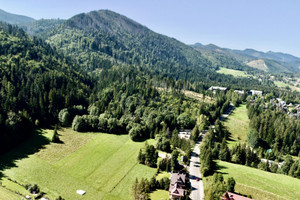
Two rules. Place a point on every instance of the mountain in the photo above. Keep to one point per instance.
(13, 18)
(274, 62)
(219, 57)
(103, 39)
(111, 37)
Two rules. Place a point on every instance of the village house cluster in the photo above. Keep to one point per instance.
(290, 109)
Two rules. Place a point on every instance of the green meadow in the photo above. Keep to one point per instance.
(237, 124)
(103, 165)
(261, 185)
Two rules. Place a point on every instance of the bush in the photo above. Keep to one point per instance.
(33, 189)
(64, 117)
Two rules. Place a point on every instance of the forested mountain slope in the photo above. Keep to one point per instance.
(35, 83)
(101, 39)
(106, 35)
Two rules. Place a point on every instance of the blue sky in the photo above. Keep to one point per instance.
(260, 24)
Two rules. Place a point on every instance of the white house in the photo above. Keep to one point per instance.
(186, 134)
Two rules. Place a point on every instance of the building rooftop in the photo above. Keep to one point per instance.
(178, 178)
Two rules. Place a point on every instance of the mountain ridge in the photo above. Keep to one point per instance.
(14, 18)
(275, 61)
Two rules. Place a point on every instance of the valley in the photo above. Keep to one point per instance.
(99, 106)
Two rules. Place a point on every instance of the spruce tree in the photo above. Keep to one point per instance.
(55, 137)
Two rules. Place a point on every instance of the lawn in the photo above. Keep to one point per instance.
(260, 184)
(160, 195)
(238, 125)
(233, 72)
(163, 175)
(104, 165)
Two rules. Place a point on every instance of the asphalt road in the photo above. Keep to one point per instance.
(194, 169)
(197, 186)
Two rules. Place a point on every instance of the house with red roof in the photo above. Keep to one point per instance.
(177, 186)
(232, 196)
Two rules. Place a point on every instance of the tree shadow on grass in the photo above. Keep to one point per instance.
(230, 138)
(30, 146)
(219, 168)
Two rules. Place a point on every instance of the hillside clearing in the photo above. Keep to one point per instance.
(260, 184)
(103, 165)
(238, 125)
(192, 95)
(233, 72)
(198, 96)
(284, 85)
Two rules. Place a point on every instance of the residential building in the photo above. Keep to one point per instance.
(177, 186)
(256, 92)
(215, 88)
(240, 92)
(185, 134)
(232, 196)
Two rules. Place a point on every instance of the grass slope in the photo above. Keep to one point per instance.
(104, 165)
(6, 194)
(238, 125)
(260, 184)
(233, 72)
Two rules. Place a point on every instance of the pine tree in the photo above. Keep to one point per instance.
(230, 184)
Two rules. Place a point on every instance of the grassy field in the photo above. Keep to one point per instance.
(233, 72)
(260, 184)
(238, 125)
(160, 195)
(104, 165)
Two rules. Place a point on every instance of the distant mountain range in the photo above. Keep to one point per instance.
(13, 18)
(269, 61)
(110, 36)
